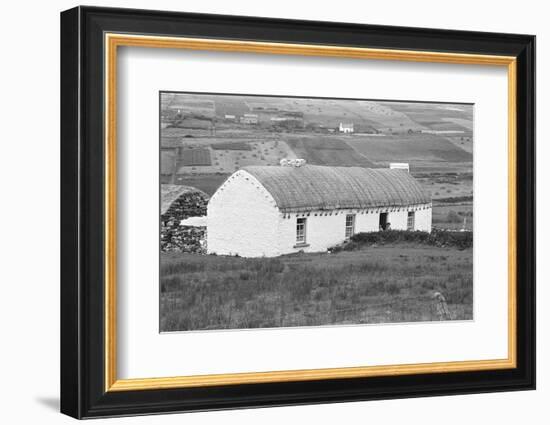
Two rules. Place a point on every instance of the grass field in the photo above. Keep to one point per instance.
(232, 146)
(327, 150)
(375, 284)
(197, 157)
(447, 185)
(408, 148)
(208, 183)
(167, 161)
(453, 216)
(439, 116)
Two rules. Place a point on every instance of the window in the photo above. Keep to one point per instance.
(350, 225)
(410, 220)
(301, 230)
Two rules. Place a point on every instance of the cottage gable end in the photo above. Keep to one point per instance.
(242, 218)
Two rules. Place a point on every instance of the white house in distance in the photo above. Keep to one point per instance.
(249, 119)
(346, 127)
(274, 210)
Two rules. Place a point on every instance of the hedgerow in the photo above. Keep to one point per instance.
(439, 238)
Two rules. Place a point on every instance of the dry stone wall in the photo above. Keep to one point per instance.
(177, 238)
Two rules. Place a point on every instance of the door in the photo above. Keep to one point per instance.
(383, 221)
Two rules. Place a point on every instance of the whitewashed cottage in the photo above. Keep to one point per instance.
(346, 127)
(274, 210)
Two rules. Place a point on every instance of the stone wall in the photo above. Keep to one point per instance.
(177, 238)
(183, 239)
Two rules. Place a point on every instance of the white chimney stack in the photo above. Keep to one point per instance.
(298, 162)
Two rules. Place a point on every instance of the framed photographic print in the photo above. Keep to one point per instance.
(261, 212)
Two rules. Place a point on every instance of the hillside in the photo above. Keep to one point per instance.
(409, 148)
(205, 138)
(328, 150)
(394, 282)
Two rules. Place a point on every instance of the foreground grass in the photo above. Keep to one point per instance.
(383, 284)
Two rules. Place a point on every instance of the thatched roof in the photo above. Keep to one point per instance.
(315, 187)
(170, 192)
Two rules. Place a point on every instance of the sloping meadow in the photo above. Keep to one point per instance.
(388, 278)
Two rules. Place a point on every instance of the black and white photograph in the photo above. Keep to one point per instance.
(268, 210)
(289, 211)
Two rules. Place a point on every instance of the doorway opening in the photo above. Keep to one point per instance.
(383, 221)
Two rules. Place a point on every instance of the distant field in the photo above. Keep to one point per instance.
(262, 152)
(175, 136)
(438, 116)
(231, 105)
(442, 163)
(453, 216)
(188, 104)
(333, 151)
(408, 147)
(233, 146)
(444, 185)
(438, 167)
(462, 142)
(196, 120)
(167, 161)
(189, 157)
(208, 183)
(385, 116)
(373, 285)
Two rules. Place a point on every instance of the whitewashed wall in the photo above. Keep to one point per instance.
(322, 232)
(423, 220)
(325, 230)
(368, 222)
(242, 219)
(397, 220)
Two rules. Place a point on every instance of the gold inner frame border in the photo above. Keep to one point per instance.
(111, 43)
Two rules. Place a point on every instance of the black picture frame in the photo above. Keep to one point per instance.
(83, 392)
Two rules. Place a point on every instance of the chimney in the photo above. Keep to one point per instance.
(298, 162)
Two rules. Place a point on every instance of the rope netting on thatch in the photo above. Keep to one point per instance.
(315, 187)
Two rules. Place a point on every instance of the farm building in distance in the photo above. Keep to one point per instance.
(249, 119)
(399, 166)
(346, 127)
(274, 210)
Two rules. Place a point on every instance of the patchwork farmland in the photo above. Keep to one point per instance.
(203, 141)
